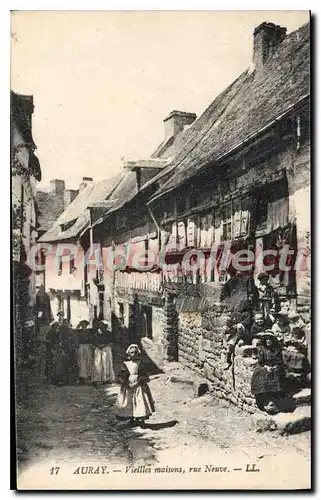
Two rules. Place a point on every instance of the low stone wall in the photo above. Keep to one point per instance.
(200, 348)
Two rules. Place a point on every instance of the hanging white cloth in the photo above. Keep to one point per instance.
(277, 216)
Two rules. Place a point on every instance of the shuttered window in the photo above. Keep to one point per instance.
(235, 219)
(191, 232)
(181, 232)
(227, 222)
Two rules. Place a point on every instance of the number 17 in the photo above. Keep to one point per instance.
(54, 470)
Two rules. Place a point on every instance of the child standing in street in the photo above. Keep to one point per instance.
(135, 401)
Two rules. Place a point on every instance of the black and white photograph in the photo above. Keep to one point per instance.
(161, 249)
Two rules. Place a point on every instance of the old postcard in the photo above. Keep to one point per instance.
(160, 167)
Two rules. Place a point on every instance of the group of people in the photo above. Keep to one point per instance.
(86, 356)
(277, 336)
(256, 317)
(82, 356)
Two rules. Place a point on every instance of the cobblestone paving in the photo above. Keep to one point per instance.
(78, 423)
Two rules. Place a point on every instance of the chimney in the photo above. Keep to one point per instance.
(84, 183)
(57, 186)
(69, 196)
(176, 121)
(267, 36)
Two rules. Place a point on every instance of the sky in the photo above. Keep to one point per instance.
(103, 81)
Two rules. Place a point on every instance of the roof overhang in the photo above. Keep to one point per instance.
(236, 147)
(147, 163)
(102, 204)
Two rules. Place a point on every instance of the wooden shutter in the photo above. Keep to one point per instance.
(181, 231)
(246, 206)
(227, 222)
(191, 232)
(236, 223)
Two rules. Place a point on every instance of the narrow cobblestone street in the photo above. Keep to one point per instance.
(62, 426)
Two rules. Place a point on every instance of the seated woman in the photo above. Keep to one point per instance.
(266, 383)
(295, 359)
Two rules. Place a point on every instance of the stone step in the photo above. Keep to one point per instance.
(294, 423)
(171, 366)
(199, 386)
(286, 423)
(180, 379)
(302, 397)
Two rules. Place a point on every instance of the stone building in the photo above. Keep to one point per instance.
(25, 172)
(68, 280)
(50, 205)
(237, 177)
(242, 181)
(125, 230)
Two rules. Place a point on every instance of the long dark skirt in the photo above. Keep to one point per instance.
(295, 361)
(264, 381)
(63, 365)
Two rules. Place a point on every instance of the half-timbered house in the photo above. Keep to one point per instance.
(241, 181)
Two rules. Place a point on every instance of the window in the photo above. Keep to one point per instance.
(241, 218)
(181, 233)
(60, 265)
(146, 252)
(245, 217)
(71, 265)
(67, 225)
(191, 232)
(261, 210)
(235, 219)
(227, 222)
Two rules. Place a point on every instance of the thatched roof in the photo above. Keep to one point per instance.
(250, 103)
(76, 218)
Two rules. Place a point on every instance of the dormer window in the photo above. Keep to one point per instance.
(67, 225)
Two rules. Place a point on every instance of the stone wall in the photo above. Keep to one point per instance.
(298, 175)
(170, 326)
(200, 348)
